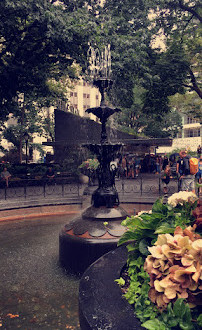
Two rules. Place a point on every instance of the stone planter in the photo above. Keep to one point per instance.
(84, 179)
(101, 305)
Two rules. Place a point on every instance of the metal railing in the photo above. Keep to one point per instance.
(29, 188)
(59, 187)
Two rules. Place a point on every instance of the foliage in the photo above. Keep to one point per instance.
(38, 42)
(163, 219)
(43, 42)
(179, 21)
(90, 164)
(156, 73)
(188, 104)
(142, 231)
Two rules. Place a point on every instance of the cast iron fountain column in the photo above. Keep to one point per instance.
(87, 237)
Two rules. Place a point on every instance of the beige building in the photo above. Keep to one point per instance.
(81, 97)
(189, 137)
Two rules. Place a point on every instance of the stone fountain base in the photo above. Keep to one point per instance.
(86, 238)
(101, 302)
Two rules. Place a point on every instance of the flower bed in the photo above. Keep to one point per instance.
(163, 279)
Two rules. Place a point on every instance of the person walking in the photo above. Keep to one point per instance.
(187, 179)
(199, 151)
(158, 165)
(179, 171)
(165, 162)
(124, 166)
(199, 173)
(166, 180)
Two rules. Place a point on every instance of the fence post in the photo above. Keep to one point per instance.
(178, 184)
(25, 188)
(62, 187)
(141, 185)
(122, 186)
(159, 186)
(44, 188)
(78, 189)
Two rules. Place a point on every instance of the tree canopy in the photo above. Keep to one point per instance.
(41, 40)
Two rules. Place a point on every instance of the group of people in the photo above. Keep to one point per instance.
(6, 175)
(186, 179)
(130, 167)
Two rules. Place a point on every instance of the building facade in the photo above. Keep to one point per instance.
(189, 137)
(83, 96)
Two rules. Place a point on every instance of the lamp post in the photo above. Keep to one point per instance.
(26, 137)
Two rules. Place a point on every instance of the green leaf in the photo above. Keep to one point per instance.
(187, 317)
(131, 247)
(143, 247)
(159, 207)
(179, 307)
(186, 326)
(154, 325)
(136, 262)
(164, 229)
(120, 281)
(199, 320)
(173, 322)
(127, 237)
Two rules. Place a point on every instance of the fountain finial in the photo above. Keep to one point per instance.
(100, 73)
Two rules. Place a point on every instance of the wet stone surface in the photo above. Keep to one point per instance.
(35, 292)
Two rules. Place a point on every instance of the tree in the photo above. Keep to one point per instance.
(160, 73)
(39, 44)
(188, 103)
(180, 20)
(38, 41)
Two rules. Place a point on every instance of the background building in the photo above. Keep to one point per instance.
(81, 97)
(190, 136)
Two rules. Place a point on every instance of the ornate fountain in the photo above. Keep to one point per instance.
(98, 229)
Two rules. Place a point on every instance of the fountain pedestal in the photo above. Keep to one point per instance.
(88, 237)
(98, 229)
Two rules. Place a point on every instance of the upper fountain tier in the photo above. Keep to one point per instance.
(103, 112)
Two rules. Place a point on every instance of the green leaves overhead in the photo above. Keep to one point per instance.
(38, 40)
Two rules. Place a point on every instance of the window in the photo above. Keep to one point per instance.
(191, 120)
(84, 96)
(192, 133)
(75, 94)
(88, 96)
(71, 93)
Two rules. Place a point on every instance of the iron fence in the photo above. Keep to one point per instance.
(59, 187)
(29, 188)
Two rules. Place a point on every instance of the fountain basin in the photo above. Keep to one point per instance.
(95, 232)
